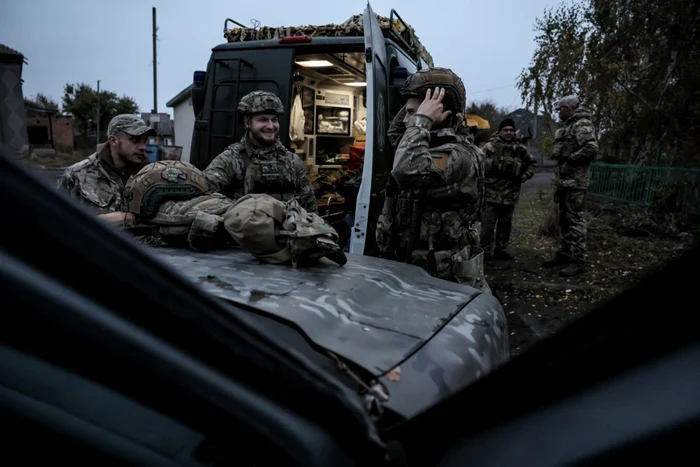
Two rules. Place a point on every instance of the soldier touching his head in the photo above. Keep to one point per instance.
(507, 164)
(99, 180)
(575, 147)
(259, 163)
(435, 192)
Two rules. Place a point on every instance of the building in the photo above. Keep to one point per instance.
(183, 116)
(49, 129)
(525, 122)
(163, 125)
(13, 129)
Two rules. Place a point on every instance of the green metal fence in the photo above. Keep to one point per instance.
(644, 185)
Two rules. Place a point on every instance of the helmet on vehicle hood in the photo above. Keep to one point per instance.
(455, 93)
(260, 102)
(162, 181)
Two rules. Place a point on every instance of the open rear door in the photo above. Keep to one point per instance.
(231, 74)
(377, 159)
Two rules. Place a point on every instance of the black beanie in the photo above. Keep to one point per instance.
(505, 123)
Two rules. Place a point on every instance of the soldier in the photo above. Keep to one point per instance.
(259, 163)
(575, 147)
(99, 180)
(507, 165)
(435, 191)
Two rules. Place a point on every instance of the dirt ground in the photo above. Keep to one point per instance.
(538, 302)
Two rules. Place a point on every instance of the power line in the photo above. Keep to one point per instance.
(489, 90)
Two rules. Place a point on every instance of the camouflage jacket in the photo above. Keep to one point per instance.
(446, 173)
(575, 147)
(397, 127)
(244, 169)
(95, 182)
(507, 166)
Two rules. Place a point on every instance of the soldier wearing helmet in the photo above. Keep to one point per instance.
(435, 192)
(259, 163)
(98, 181)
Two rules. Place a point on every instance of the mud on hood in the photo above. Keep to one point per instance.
(371, 311)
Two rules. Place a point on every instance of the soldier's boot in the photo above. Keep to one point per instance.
(573, 269)
(502, 254)
(557, 260)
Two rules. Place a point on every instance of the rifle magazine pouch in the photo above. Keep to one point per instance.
(437, 263)
(470, 270)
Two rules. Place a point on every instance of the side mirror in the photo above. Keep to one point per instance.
(364, 98)
(198, 92)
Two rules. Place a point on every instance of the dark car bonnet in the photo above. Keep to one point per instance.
(372, 312)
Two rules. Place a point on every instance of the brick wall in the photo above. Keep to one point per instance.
(62, 127)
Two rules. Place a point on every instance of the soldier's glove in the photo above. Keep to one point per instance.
(524, 179)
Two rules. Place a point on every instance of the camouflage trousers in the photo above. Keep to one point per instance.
(571, 223)
(496, 218)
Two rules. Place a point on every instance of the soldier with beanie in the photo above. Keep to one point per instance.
(507, 164)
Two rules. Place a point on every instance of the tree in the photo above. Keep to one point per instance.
(42, 100)
(81, 100)
(634, 64)
(488, 110)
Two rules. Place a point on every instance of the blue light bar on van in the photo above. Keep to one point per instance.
(295, 39)
(199, 76)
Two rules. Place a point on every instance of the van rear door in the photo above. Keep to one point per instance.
(378, 158)
(233, 72)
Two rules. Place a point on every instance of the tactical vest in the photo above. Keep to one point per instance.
(274, 176)
(564, 142)
(506, 163)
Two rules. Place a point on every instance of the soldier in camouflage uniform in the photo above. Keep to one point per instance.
(507, 165)
(99, 180)
(575, 147)
(259, 163)
(435, 191)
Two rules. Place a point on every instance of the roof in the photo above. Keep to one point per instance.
(11, 55)
(351, 27)
(179, 97)
(164, 127)
(524, 118)
(30, 106)
(5, 50)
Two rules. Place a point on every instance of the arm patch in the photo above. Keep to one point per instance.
(440, 160)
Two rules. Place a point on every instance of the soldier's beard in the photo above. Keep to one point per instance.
(258, 138)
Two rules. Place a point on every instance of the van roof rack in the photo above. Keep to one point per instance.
(393, 27)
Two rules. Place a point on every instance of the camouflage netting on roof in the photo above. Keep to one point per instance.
(351, 27)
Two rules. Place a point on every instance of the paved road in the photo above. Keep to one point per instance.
(541, 180)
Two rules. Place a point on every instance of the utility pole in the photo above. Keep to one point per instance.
(98, 111)
(155, 65)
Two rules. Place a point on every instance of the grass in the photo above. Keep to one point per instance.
(537, 301)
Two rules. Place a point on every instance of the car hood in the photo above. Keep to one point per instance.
(371, 311)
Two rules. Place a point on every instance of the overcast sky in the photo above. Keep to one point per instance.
(487, 43)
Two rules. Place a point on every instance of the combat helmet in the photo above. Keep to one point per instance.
(162, 181)
(455, 93)
(260, 102)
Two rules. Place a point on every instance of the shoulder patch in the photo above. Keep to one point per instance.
(440, 159)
